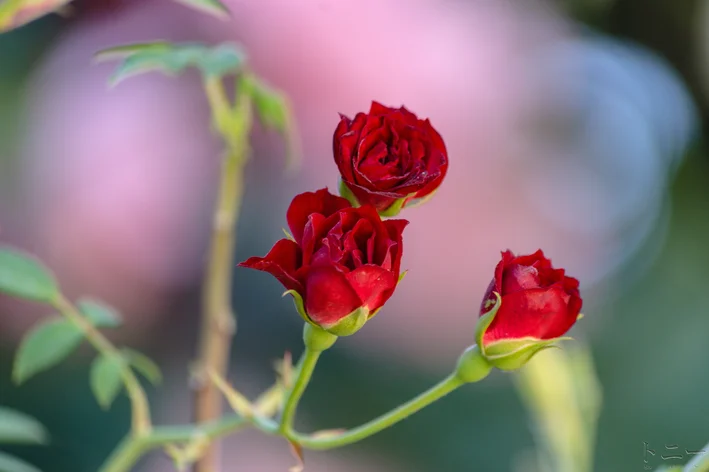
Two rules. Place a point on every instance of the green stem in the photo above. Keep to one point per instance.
(218, 320)
(378, 424)
(305, 368)
(141, 424)
(133, 448)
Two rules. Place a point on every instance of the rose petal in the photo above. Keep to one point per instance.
(378, 109)
(305, 204)
(538, 313)
(520, 277)
(373, 284)
(282, 261)
(329, 297)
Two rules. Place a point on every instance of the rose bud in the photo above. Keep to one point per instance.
(388, 158)
(342, 263)
(528, 306)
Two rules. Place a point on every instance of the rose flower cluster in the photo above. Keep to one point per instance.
(342, 259)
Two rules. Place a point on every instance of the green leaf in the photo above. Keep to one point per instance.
(144, 365)
(172, 59)
(106, 378)
(271, 106)
(99, 314)
(24, 276)
(212, 7)
(10, 463)
(274, 112)
(45, 346)
(121, 52)
(18, 428)
(15, 13)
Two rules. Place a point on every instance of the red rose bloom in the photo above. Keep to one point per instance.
(538, 301)
(343, 262)
(388, 157)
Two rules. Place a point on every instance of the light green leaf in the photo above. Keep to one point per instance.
(274, 111)
(220, 60)
(45, 346)
(121, 52)
(271, 106)
(99, 314)
(10, 463)
(173, 59)
(144, 365)
(212, 7)
(15, 13)
(18, 428)
(106, 378)
(24, 276)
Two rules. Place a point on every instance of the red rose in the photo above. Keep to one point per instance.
(388, 157)
(537, 305)
(342, 264)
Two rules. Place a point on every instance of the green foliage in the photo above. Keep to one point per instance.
(271, 105)
(16, 13)
(18, 428)
(143, 365)
(274, 112)
(99, 314)
(9, 463)
(106, 378)
(45, 346)
(172, 59)
(212, 7)
(24, 276)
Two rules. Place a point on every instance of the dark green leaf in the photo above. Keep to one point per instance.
(106, 379)
(10, 463)
(45, 346)
(213, 7)
(24, 276)
(15, 13)
(99, 314)
(143, 364)
(18, 428)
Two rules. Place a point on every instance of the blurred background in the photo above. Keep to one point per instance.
(572, 125)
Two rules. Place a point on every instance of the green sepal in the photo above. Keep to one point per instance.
(511, 354)
(346, 326)
(472, 366)
(484, 323)
(350, 324)
(288, 236)
(299, 305)
(395, 208)
(317, 339)
(345, 192)
(414, 202)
